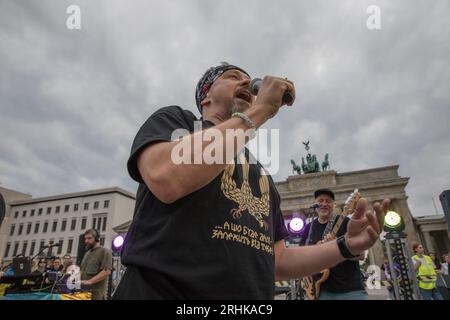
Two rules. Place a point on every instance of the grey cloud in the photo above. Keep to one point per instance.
(72, 101)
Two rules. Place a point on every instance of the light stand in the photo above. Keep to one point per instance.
(397, 251)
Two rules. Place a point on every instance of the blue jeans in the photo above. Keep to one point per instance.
(428, 294)
(352, 295)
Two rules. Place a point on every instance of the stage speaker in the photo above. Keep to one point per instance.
(81, 249)
(445, 201)
(2, 208)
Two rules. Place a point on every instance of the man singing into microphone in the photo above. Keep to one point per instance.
(215, 230)
(96, 265)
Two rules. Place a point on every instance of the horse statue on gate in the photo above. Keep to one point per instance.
(325, 163)
(295, 167)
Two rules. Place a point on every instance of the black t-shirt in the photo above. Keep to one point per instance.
(202, 246)
(345, 276)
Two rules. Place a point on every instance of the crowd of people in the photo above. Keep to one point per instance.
(95, 267)
(43, 264)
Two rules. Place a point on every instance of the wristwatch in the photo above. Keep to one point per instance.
(342, 245)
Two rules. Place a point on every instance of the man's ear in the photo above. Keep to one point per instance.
(207, 101)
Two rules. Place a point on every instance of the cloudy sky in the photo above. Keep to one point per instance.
(71, 101)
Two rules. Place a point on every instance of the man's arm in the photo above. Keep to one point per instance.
(291, 263)
(362, 232)
(97, 278)
(169, 181)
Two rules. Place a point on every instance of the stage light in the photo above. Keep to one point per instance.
(118, 242)
(393, 222)
(296, 225)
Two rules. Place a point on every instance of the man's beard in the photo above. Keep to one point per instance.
(237, 108)
(327, 215)
(89, 246)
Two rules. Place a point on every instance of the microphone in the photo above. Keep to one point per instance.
(54, 245)
(255, 84)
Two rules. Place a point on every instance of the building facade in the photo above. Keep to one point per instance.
(32, 224)
(434, 234)
(9, 197)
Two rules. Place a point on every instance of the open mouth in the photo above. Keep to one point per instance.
(244, 95)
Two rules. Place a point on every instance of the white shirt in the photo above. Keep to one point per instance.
(445, 268)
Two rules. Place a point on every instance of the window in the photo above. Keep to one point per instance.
(24, 248)
(86, 206)
(69, 246)
(40, 211)
(57, 209)
(55, 225)
(16, 248)
(36, 227)
(63, 225)
(66, 208)
(16, 214)
(96, 205)
(45, 227)
(29, 228)
(49, 210)
(13, 228)
(75, 207)
(99, 222)
(73, 224)
(20, 229)
(104, 224)
(94, 221)
(24, 213)
(42, 244)
(32, 247)
(106, 204)
(102, 241)
(8, 247)
(83, 223)
(61, 242)
(32, 213)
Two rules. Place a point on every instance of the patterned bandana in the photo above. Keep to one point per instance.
(211, 75)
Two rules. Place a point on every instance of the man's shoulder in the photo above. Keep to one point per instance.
(99, 251)
(175, 110)
(170, 117)
(105, 250)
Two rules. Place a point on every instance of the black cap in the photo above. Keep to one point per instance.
(326, 191)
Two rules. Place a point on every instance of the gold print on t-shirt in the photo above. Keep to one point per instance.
(233, 232)
(243, 196)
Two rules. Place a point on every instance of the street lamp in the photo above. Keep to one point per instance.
(396, 248)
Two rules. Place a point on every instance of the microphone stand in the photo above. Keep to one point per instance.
(44, 248)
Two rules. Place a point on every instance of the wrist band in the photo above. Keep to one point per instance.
(247, 120)
(342, 245)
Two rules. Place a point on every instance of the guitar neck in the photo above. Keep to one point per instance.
(329, 226)
(350, 205)
(338, 224)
